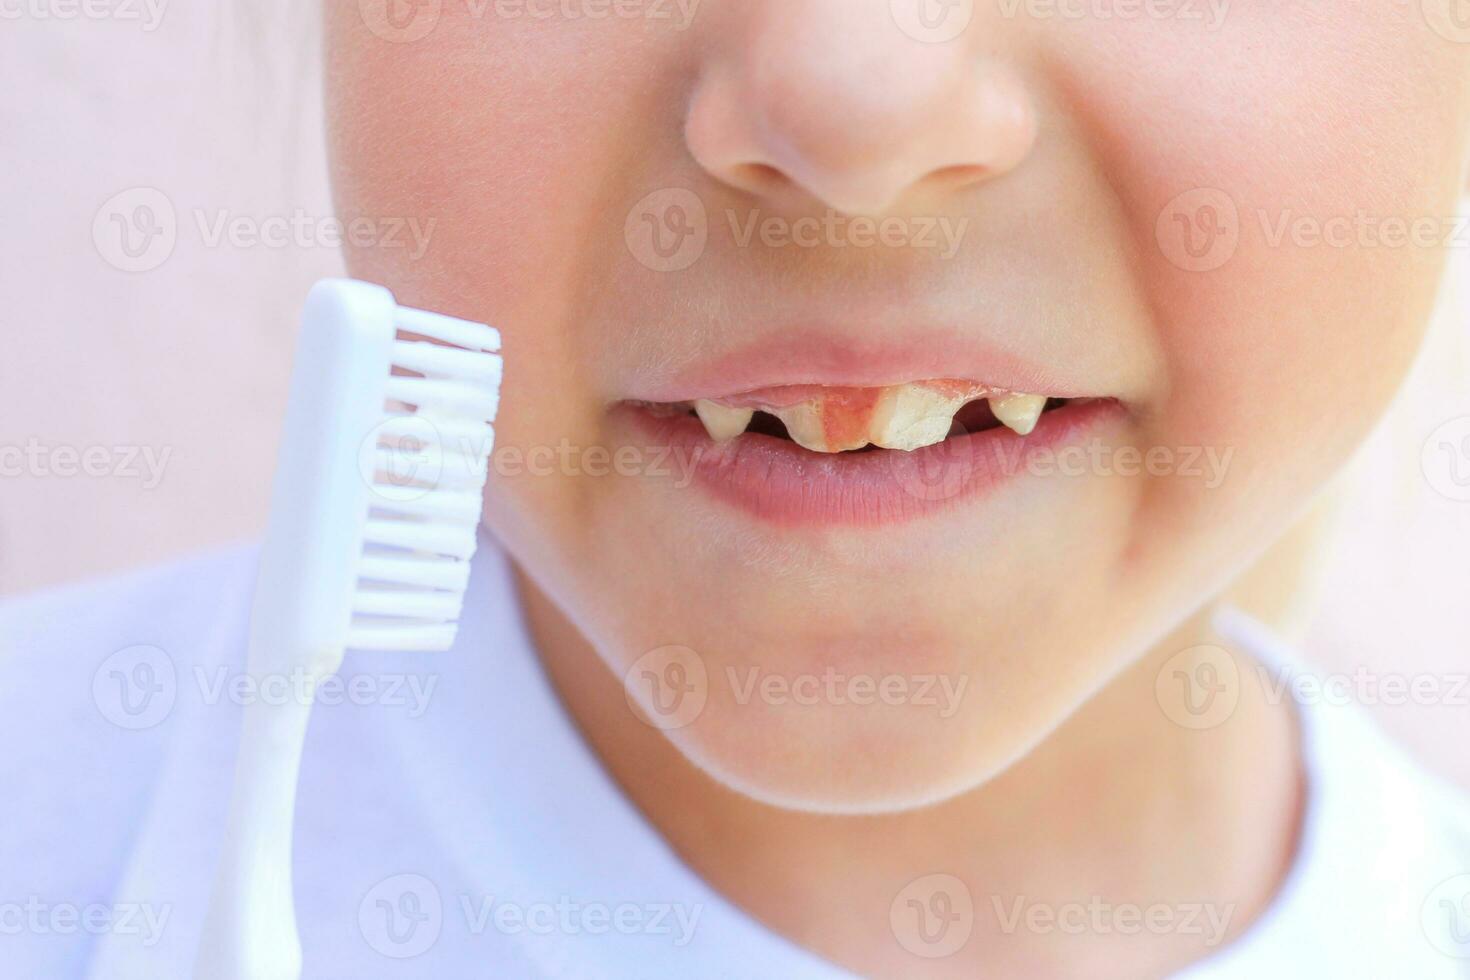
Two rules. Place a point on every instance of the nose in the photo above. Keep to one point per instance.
(834, 101)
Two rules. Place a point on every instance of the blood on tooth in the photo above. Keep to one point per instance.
(847, 414)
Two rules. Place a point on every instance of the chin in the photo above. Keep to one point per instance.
(843, 731)
(831, 763)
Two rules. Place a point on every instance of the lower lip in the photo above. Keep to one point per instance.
(778, 481)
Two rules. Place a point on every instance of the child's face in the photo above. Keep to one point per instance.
(877, 629)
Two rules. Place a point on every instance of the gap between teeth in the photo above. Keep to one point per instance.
(906, 417)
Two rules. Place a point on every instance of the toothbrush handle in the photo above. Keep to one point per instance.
(250, 929)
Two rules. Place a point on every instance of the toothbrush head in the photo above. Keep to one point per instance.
(379, 487)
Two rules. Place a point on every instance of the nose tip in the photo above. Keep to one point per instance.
(862, 121)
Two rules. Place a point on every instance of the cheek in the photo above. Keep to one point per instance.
(507, 133)
(503, 136)
(450, 129)
(1270, 172)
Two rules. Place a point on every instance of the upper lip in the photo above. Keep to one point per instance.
(813, 356)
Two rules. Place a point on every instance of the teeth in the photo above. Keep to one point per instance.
(803, 423)
(905, 416)
(912, 416)
(722, 423)
(1018, 412)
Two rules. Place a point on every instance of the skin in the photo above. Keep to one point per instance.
(1059, 601)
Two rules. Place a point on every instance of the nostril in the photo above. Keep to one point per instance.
(756, 178)
(959, 175)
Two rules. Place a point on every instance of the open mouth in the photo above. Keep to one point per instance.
(822, 455)
(833, 419)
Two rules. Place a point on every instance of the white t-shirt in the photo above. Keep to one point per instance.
(451, 823)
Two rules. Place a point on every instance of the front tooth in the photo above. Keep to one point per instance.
(803, 423)
(912, 416)
(1018, 412)
(722, 422)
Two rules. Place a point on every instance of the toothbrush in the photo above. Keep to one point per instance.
(374, 509)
